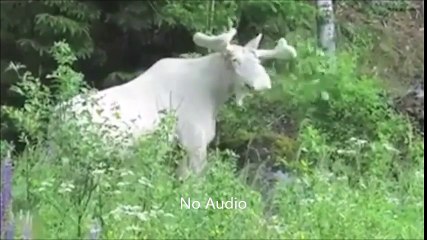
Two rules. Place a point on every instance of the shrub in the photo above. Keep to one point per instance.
(350, 179)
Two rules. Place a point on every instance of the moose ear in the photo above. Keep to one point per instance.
(254, 43)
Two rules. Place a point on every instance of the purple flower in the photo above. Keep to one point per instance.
(6, 189)
(10, 230)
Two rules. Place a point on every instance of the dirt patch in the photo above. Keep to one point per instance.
(397, 53)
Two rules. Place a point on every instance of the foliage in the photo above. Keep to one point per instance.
(72, 22)
(29, 119)
(92, 29)
(356, 167)
(133, 193)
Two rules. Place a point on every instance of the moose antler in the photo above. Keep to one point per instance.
(217, 43)
(281, 51)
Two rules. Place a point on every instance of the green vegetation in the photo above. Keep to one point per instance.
(357, 166)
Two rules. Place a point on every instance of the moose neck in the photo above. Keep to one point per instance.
(221, 78)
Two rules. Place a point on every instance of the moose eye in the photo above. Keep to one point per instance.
(235, 60)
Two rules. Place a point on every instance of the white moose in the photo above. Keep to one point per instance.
(194, 88)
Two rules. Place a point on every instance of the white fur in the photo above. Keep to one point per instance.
(195, 88)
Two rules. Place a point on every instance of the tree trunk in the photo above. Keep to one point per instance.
(326, 26)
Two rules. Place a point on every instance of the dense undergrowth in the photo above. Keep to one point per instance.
(357, 167)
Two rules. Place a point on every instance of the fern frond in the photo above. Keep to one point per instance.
(46, 22)
(33, 44)
(71, 8)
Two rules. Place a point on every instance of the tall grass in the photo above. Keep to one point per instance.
(352, 179)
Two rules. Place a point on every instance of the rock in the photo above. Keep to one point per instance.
(412, 103)
(259, 162)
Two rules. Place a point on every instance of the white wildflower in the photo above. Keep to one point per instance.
(144, 181)
(65, 160)
(363, 185)
(116, 213)
(361, 142)
(101, 165)
(279, 229)
(125, 210)
(126, 173)
(307, 201)
(419, 174)
(155, 213)
(346, 152)
(390, 148)
(66, 187)
(47, 183)
(316, 81)
(142, 216)
(319, 198)
(169, 215)
(97, 172)
(275, 224)
(342, 178)
(136, 211)
(130, 209)
(358, 142)
(393, 200)
(122, 184)
(133, 228)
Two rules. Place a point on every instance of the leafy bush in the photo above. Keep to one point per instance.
(358, 167)
(91, 180)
